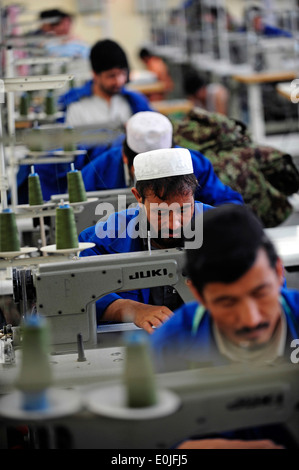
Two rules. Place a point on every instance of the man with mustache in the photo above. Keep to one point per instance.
(242, 313)
(166, 210)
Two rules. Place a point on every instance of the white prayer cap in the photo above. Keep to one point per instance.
(148, 130)
(162, 163)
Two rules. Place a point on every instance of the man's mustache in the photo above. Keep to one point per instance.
(247, 330)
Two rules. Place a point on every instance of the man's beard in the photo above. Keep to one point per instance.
(169, 238)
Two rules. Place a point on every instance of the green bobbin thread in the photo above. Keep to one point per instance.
(139, 377)
(71, 146)
(35, 374)
(66, 230)
(36, 144)
(76, 188)
(24, 104)
(9, 236)
(50, 106)
(35, 194)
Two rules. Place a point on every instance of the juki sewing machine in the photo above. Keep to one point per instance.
(66, 292)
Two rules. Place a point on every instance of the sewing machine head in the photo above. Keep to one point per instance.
(66, 292)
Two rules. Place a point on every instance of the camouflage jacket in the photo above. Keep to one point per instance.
(264, 176)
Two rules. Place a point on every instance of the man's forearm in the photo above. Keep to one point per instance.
(120, 310)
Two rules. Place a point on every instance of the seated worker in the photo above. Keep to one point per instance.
(254, 20)
(210, 96)
(64, 43)
(103, 101)
(157, 65)
(241, 312)
(145, 131)
(163, 177)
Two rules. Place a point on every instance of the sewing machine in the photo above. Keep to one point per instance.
(202, 401)
(66, 292)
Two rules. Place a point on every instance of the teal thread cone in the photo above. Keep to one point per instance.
(76, 188)
(35, 374)
(35, 195)
(139, 377)
(66, 230)
(9, 236)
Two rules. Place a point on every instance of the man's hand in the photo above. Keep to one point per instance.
(144, 316)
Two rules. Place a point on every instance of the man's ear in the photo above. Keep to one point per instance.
(137, 195)
(195, 292)
(125, 158)
(280, 270)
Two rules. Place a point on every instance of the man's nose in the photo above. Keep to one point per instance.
(250, 313)
(175, 221)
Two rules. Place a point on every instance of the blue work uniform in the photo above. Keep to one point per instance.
(53, 177)
(120, 238)
(187, 339)
(107, 172)
(137, 101)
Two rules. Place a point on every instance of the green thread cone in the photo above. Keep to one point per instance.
(46, 69)
(72, 83)
(35, 194)
(35, 374)
(24, 104)
(63, 69)
(139, 377)
(50, 106)
(36, 144)
(9, 236)
(66, 230)
(71, 146)
(76, 188)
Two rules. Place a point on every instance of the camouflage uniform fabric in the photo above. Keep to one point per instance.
(264, 176)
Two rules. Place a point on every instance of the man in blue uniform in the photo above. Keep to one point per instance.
(165, 187)
(242, 313)
(145, 131)
(104, 100)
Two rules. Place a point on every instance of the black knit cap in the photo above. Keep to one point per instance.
(106, 55)
(232, 235)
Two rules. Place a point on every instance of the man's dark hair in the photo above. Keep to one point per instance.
(232, 237)
(169, 186)
(192, 82)
(129, 153)
(54, 13)
(107, 55)
(144, 53)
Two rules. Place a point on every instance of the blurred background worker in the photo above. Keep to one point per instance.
(157, 66)
(211, 96)
(104, 101)
(63, 43)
